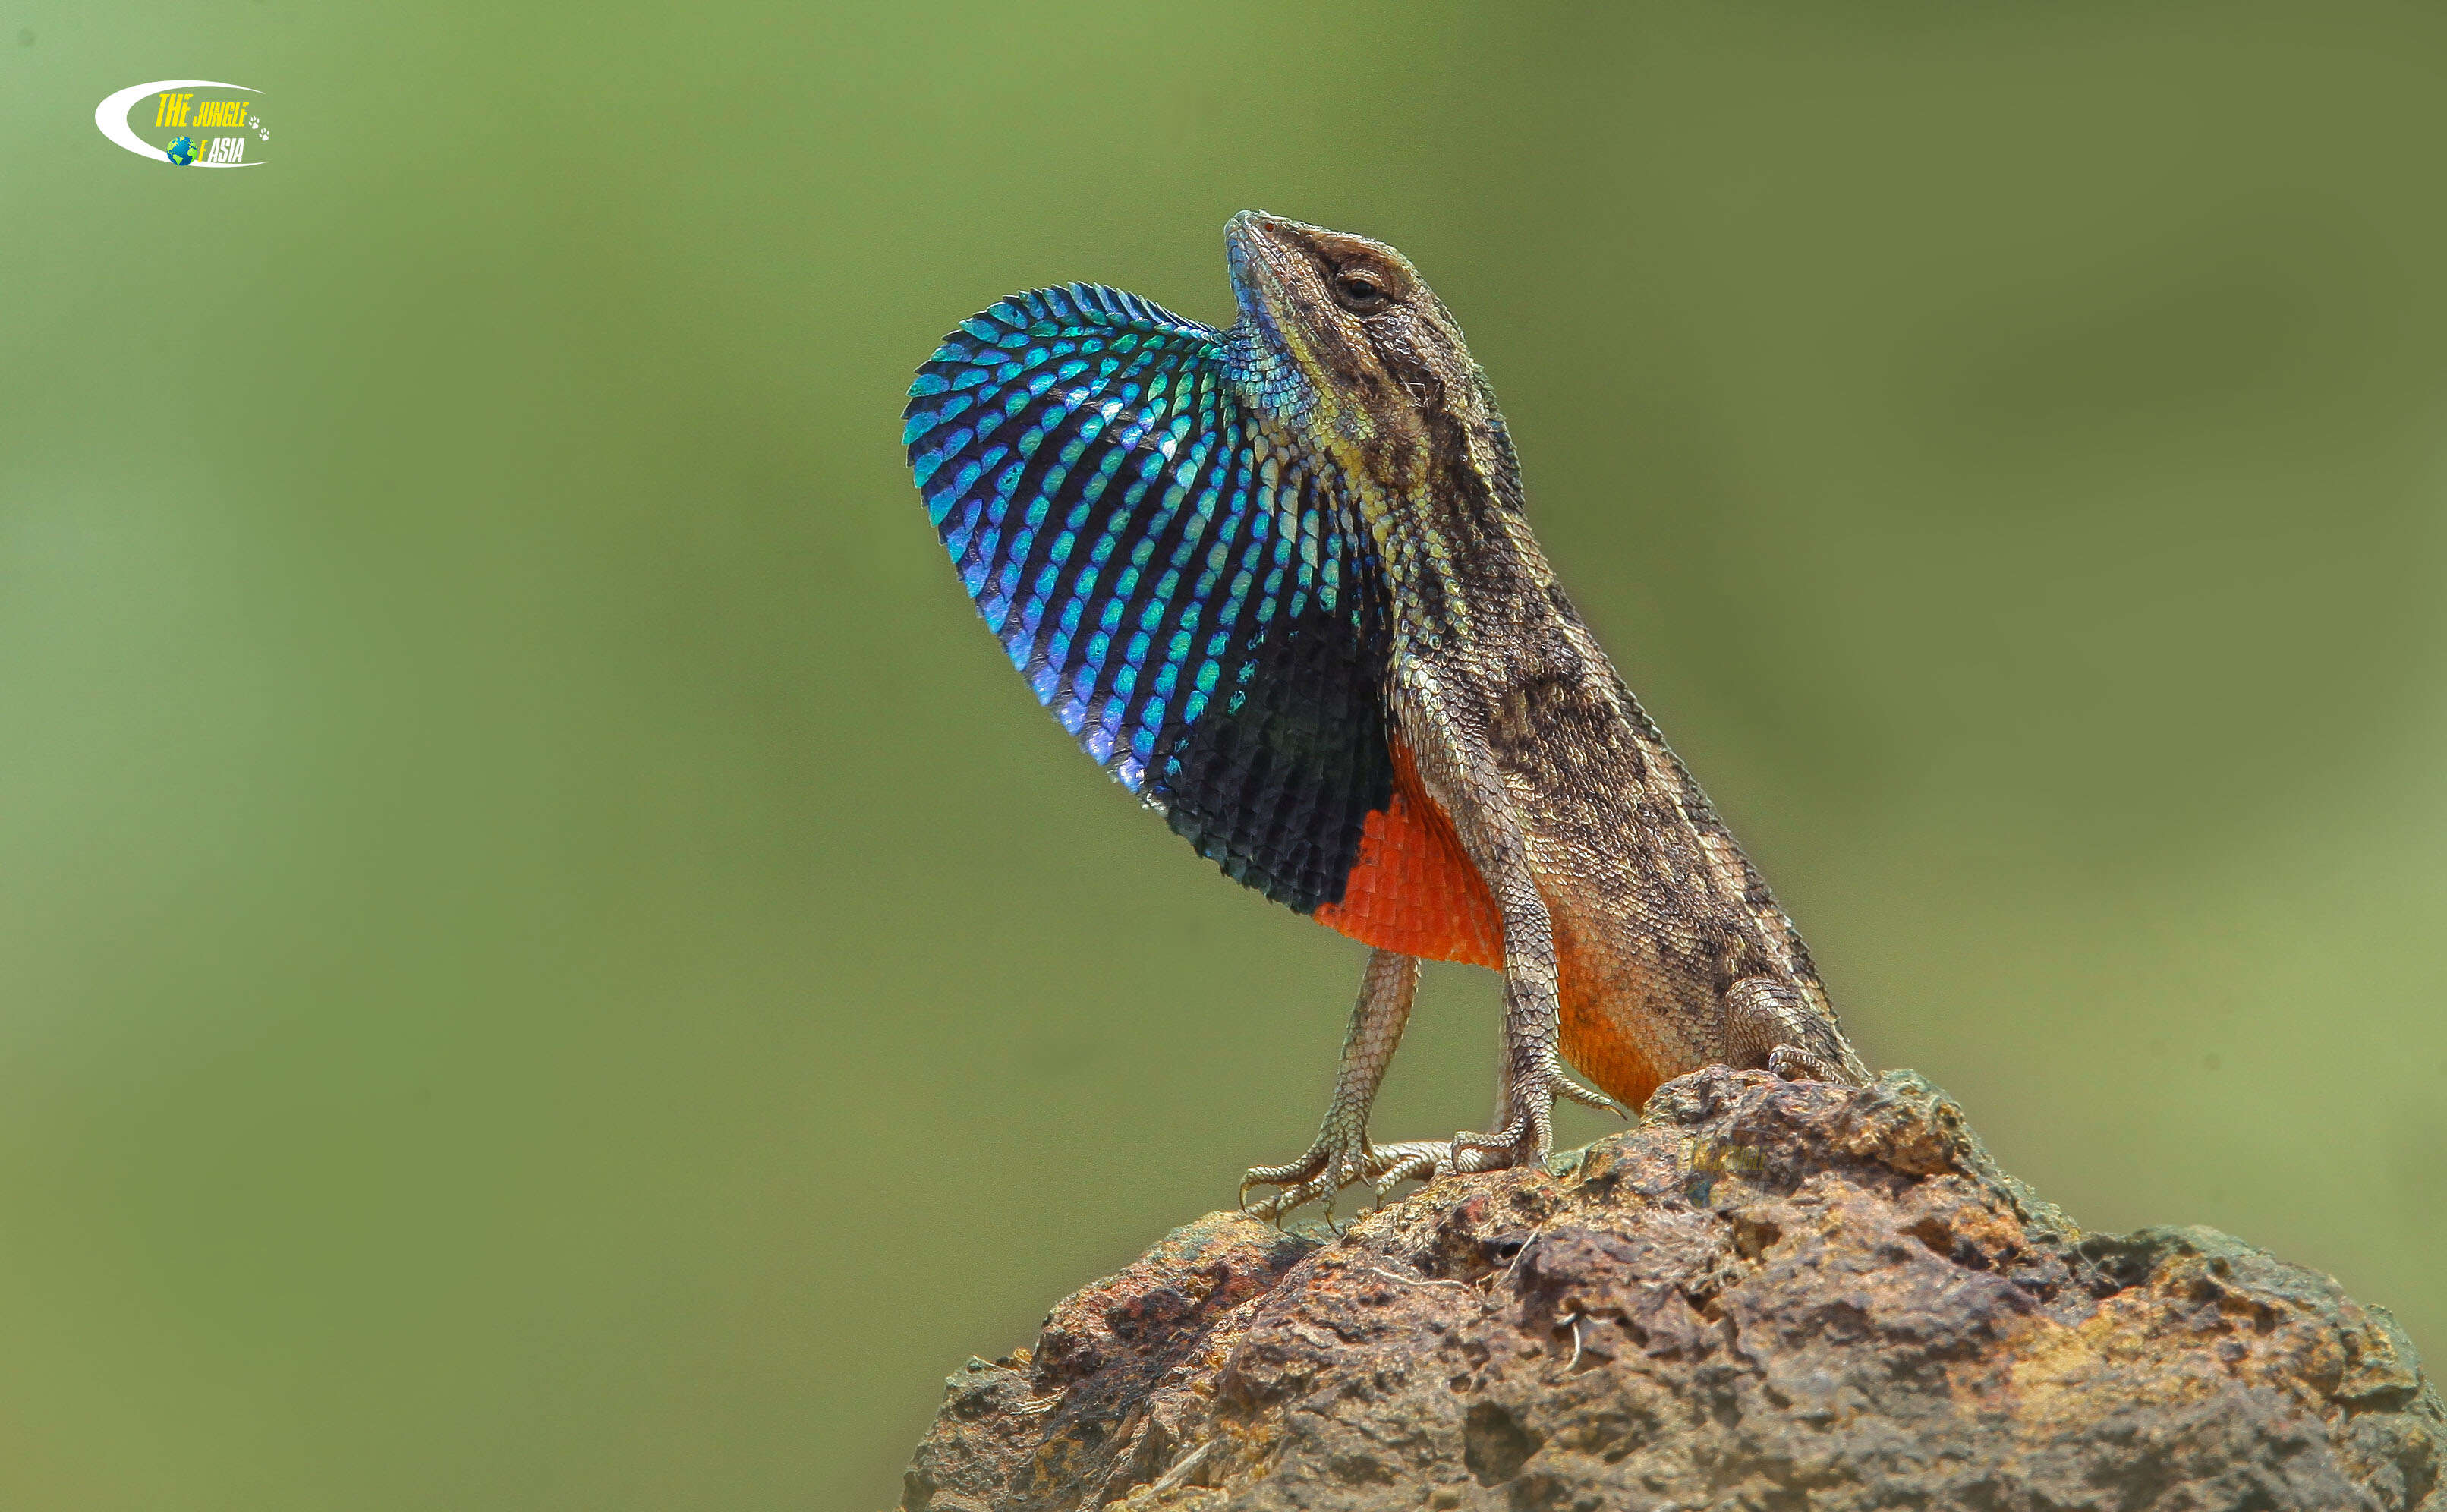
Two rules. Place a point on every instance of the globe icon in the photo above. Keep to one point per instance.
(182, 151)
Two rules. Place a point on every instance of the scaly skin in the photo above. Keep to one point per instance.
(1639, 942)
(1279, 581)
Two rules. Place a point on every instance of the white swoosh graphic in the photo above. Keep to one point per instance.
(111, 115)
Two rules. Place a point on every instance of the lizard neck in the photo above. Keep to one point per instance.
(1445, 517)
(1425, 471)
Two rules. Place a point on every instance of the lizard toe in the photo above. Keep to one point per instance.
(1794, 1064)
(1326, 1170)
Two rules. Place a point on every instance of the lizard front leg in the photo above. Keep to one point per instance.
(1533, 1072)
(1462, 776)
(1342, 1155)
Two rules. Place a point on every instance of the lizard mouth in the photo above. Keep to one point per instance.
(1256, 246)
(1274, 264)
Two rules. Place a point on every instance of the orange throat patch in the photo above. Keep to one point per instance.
(1414, 890)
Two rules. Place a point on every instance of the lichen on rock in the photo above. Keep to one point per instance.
(1770, 1294)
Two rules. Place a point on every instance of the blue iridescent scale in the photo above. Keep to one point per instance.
(1182, 592)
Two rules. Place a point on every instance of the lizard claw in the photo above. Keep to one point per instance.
(1515, 1144)
(1529, 1133)
(1330, 1167)
(1794, 1064)
(1565, 1087)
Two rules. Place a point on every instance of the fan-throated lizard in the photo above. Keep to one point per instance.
(1279, 581)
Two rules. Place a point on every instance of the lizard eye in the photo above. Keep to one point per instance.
(1359, 291)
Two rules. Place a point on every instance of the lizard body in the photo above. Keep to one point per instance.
(1280, 581)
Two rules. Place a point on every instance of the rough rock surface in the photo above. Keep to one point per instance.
(1769, 1295)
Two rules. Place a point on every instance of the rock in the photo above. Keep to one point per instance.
(1771, 1294)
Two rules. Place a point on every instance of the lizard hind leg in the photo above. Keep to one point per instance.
(1342, 1155)
(1769, 1024)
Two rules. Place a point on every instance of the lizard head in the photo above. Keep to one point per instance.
(1341, 336)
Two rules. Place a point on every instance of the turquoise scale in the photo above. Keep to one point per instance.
(1193, 608)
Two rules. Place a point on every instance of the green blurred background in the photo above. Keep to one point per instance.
(547, 962)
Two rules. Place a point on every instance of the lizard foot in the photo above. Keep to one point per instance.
(1767, 1019)
(1794, 1064)
(1332, 1164)
(1529, 1133)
